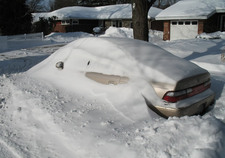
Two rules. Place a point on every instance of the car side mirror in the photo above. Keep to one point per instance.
(59, 65)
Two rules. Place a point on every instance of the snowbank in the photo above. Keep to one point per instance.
(214, 35)
(66, 37)
(123, 32)
(118, 32)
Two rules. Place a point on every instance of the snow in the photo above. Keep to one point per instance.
(119, 11)
(214, 35)
(40, 118)
(192, 9)
(118, 32)
(66, 37)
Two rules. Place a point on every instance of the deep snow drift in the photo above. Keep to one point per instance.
(41, 119)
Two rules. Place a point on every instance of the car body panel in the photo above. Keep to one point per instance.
(119, 60)
(162, 88)
(198, 106)
(192, 81)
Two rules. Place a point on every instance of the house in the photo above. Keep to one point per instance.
(78, 18)
(188, 18)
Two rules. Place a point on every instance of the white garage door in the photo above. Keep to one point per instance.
(183, 29)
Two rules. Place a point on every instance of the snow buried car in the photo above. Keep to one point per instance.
(181, 87)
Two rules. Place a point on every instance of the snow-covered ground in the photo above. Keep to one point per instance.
(40, 119)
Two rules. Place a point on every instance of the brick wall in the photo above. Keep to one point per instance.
(200, 26)
(166, 30)
(59, 27)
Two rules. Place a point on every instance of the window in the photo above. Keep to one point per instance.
(75, 22)
(119, 23)
(180, 22)
(194, 22)
(65, 22)
(114, 23)
(187, 22)
(174, 23)
(131, 24)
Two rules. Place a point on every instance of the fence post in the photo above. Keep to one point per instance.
(223, 55)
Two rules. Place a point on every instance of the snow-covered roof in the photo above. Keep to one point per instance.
(120, 11)
(192, 9)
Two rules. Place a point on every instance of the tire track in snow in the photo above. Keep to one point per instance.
(10, 149)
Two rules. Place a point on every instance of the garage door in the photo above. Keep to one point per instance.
(183, 29)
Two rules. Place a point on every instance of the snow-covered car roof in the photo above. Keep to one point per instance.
(120, 56)
(192, 9)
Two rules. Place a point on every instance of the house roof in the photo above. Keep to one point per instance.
(192, 9)
(120, 11)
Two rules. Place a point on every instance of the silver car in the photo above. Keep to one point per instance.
(183, 87)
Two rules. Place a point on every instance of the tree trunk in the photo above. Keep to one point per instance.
(140, 10)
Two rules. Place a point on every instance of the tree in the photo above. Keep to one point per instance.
(15, 17)
(40, 5)
(165, 3)
(90, 3)
(34, 5)
(140, 10)
(44, 25)
(51, 5)
(64, 3)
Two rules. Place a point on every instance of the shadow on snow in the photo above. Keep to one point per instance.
(18, 65)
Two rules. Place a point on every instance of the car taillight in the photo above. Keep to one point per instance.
(174, 96)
